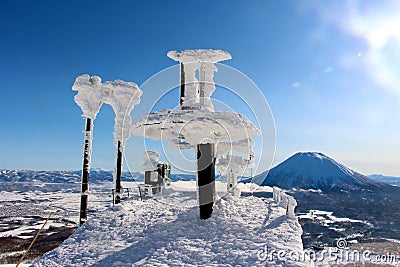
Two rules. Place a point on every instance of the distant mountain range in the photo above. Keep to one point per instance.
(304, 170)
(317, 181)
(392, 180)
(74, 176)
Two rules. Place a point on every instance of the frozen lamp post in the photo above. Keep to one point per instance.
(122, 96)
(196, 122)
(92, 93)
(90, 99)
(234, 165)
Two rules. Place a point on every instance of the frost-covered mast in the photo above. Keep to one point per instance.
(122, 96)
(195, 94)
(234, 165)
(196, 124)
(90, 99)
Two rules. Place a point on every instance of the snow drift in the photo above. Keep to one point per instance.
(168, 232)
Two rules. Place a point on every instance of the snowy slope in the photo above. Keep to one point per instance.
(312, 170)
(168, 232)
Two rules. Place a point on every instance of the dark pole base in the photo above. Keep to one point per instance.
(206, 211)
(83, 213)
(118, 174)
(205, 179)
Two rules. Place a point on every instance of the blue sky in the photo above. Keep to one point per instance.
(329, 70)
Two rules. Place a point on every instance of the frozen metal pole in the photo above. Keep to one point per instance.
(182, 94)
(118, 174)
(206, 179)
(85, 171)
(202, 82)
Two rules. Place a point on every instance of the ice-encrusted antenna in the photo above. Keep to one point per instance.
(122, 97)
(196, 124)
(90, 99)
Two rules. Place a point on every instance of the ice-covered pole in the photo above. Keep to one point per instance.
(182, 92)
(85, 171)
(196, 95)
(122, 96)
(90, 99)
(196, 124)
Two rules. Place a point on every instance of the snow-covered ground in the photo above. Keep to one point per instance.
(326, 218)
(167, 231)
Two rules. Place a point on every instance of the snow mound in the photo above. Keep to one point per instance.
(168, 232)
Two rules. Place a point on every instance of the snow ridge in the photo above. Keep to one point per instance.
(168, 232)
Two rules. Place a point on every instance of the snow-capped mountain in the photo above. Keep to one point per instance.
(318, 182)
(313, 170)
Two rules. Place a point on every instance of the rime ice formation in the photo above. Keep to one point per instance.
(192, 94)
(169, 233)
(232, 166)
(198, 91)
(197, 122)
(285, 201)
(196, 126)
(244, 146)
(90, 94)
(151, 160)
(122, 96)
(203, 55)
(207, 85)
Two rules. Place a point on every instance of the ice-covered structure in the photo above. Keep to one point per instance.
(232, 166)
(196, 127)
(92, 93)
(122, 97)
(196, 92)
(285, 201)
(196, 124)
(156, 174)
(89, 98)
(151, 161)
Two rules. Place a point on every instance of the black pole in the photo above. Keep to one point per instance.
(205, 179)
(118, 174)
(85, 171)
(182, 94)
